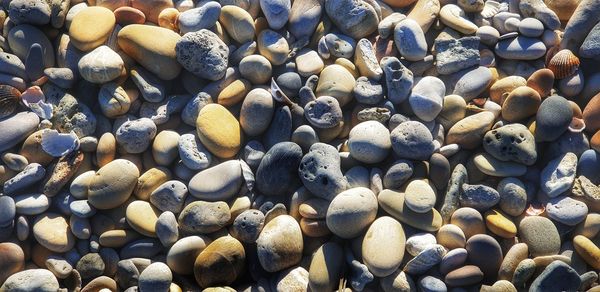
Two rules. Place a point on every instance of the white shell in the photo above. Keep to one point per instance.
(42, 109)
(490, 9)
(57, 144)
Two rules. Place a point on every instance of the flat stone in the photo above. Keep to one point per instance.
(52, 231)
(195, 19)
(347, 15)
(540, 234)
(520, 48)
(479, 197)
(492, 166)
(356, 205)
(17, 128)
(410, 40)
(569, 279)
(566, 210)
(427, 98)
(383, 246)
(453, 55)
(220, 182)
(40, 280)
(202, 217)
(394, 203)
(559, 174)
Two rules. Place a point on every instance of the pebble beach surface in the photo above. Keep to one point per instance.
(299, 145)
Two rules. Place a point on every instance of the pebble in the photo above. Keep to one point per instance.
(226, 141)
(220, 182)
(195, 50)
(412, 140)
(324, 271)
(113, 184)
(279, 245)
(467, 275)
(566, 210)
(468, 132)
(425, 260)
(156, 57)
(540, 235)
(553, 118)
(500, 224)
(91, 27)
(101, 65)
(238, 23)
(420, 196)
(31, 280)
(494, 167)
(410, 40)
(276, 12)
(31, 204)
(202, 217)
(277, 172)
(221, 262)
(169, 196)
(479, 197)
(569, 279)
(453, 55)
(427, 97)
(513, 196)
(520, 48)
(356, 205)
(369, 142)
(416, 243)
(319, 171)
(12, 260)
(558, 176)
(256, 68)
(384, 234)
(31, 174)
(196, 19)
(485, 252)
(52, 231)
(156, 276)
(134, 136)
(27, 123)
(346, 15)
(394, 204)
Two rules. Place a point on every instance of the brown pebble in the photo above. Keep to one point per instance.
(128, 15)
(467, 275)
(541, 81)
(521, 103)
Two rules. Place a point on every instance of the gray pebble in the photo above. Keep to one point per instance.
(90, 266)
(167, 228)
(11, 65)
(305, 136)
(558, 175)
(368, 91)
(277, 173)
(80, 227)
(192, 153)
(520, 48)
(431, 284)
(7, 210)
(31, 204)
(59, 266)
(155, 277)
(190, 112)
(280, 129)
(454, 55)
(320, 171)
(566, 210)
(82, 208)
(253, 153)
(203, 53)
(513, 196)
(412, 140)
(427, 98)
(34, 63)
(410, 40)
(202, 217)
(160, 112)
(110, 257)
(36, 12)
(399, 173)
(324, 112)
(135, 136)
(338, 45)
(145, 248)
(513, 142)
(202, 17)
(151, 87)
(73, 115)
(220, 182)
(248, 225)
(276, 12)
(88, 144)
(531, 27)
(398, 79)
(169, 196)
(479, 197)
(32, 173)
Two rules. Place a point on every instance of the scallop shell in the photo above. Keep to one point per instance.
(57, 144)
(490, 8)
(10, 98)
(564, 64)
(425, 260)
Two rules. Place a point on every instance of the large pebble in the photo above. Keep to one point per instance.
(427, 98)
(238, 23)
(22, 37)
(202, 217)
(218, 183)
(369, 142)
(412, 140)
(559, 174)
(101, 65)
(280, 244)
(394, 204)
(553, 118)
(512, 142)
(468, 132)
(220, 263)
(277, 173)
(203, 53)
(183, 253)
(398, 79)
(29, 11)
(324, 268)
(336, 81)
(195, 19)
(420, 196)
(135, 136)
(320, 172)
(351, 211)
(139, 42)
(410, 40)
(17, 128)
(256, 112)
(383, 246)
(425, 260)
(219, 131)
(354, 18)
(155, 277)
(113, 184)
(485, 252)
(540, 234)
(276, 12)
(566, 210)
(192, 153)
(52, 231)
(558, 275)
(12, 260)
(40, 280)
(520, 48)
(91, 27)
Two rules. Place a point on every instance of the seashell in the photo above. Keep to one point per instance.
(490, 8)
(10, 98)
(33, 94)
(425, 260)
(564, 64)
(535, 209)
(577, 125)
(58, 144)
(42, 109)
(278, 94)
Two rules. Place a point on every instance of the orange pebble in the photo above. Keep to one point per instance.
(128, 15)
